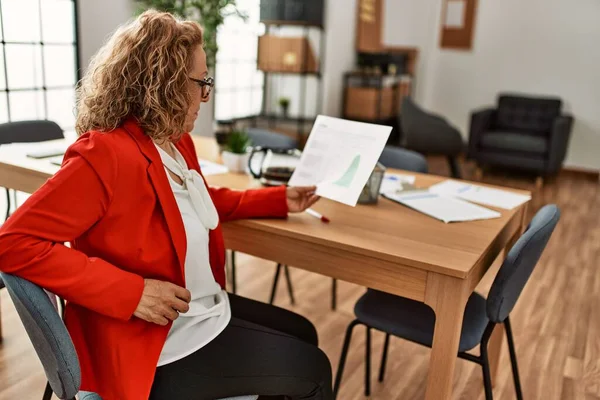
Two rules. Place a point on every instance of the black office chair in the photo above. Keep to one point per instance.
(415, 321)
(428, 133)
(27, 132)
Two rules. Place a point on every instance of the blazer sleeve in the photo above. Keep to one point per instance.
(242, 204)
(64, 208)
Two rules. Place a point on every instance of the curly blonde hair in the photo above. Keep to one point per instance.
(142, 72)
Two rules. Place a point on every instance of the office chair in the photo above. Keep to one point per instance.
(398, 158)
(428, 133)
(415, 321)
(51, 341)
(27, 132)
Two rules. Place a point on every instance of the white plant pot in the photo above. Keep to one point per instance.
(235, 162)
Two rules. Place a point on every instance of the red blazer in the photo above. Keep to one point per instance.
(112, 201)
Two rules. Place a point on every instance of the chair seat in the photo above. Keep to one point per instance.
(415, 321)
(515, 142)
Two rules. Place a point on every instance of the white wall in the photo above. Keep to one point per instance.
(97, 20)
(340, 53)
(409, 23)
(542, 47)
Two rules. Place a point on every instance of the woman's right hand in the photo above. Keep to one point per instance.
(162, 301)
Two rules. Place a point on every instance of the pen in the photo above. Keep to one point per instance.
(315, 214)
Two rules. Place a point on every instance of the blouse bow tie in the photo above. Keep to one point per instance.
(201, 200)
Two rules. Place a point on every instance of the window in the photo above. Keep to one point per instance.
(238, 84)
(38, 61)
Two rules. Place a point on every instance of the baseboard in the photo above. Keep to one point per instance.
(587, 172)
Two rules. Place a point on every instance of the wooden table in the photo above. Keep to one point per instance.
(385, 246)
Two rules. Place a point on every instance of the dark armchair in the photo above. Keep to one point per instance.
(522, 132)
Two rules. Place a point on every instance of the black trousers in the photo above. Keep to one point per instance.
(265, 350)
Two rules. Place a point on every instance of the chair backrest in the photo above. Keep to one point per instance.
(397, 158)
(519, 263)
(48, 335)
(29, 131)
(266, 138)
(427, 132)
(527, 114)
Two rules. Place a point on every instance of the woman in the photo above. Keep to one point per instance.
(144, 275)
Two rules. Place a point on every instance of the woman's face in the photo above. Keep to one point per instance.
(199, 71)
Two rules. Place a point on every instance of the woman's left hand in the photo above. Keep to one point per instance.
(300, 198)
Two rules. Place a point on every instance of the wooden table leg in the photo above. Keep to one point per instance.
(447, 296)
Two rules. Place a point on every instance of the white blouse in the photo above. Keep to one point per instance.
(209, 311)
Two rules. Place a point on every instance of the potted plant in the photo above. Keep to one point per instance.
(284, 103)
(235, 156)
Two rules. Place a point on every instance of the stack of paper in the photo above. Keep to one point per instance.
(479, 194)
(447, 209)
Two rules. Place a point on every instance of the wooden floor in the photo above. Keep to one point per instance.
(556, 322)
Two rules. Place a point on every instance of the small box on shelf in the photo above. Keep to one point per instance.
(286, 55)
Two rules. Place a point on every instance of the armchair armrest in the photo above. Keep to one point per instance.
(558, 142)
(481, 121)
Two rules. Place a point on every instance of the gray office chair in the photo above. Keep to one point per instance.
(397, 158)
(428, 133)
(265, 138)
(49, 337)
(415, 321)
(52, 341)
(27, 132)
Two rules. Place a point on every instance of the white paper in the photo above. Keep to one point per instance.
(455, 14)
(211, 168)
(446, 209)
(479, 194)
(339, 157)
(394, 183)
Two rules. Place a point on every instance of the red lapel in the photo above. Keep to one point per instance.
(158, 178)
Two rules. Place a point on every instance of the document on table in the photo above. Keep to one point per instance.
(395, 183)
(479, 194)
(339, 157)
(446, 209)
(211, 168)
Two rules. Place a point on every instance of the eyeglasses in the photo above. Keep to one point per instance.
(205, 84)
